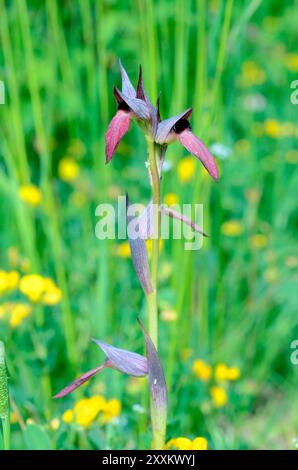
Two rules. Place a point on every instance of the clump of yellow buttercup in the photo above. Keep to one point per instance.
(30, 195)
(40, 289)
(36, 288)
(220, 374)
(8, 281)
(183, 443)
(15, 311)
(87, 410)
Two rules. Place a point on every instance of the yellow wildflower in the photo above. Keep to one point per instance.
(183, 443)
(85, 414)
(291, 62)
(259, 240)
(52, 294)
(233, 373)
(68, 169)
(55, 424)
(221, 372)
(232, 228)
(68, 416)
(87, 409)
(186, 169)
(272, 128)
(112, 410)
(18, 313)
(171, 199)
(202, 370)
(52, 297)
(39, 289)
(32, 285)
(98, 402)
(30, 194)
(219, 396)
(123, 250)
(8, 281)
(12, 279)
(179, 443)
(199, 443)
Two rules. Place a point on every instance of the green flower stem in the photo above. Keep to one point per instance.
(158, 429)
(152, 298)
(4, 399)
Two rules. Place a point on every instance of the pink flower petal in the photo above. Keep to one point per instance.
(82, 379)
(197, 148)
(118, 127)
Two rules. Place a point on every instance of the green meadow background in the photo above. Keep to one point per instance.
(232, 302)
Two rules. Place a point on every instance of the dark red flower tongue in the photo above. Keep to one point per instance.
(197, 148)
(118, 127)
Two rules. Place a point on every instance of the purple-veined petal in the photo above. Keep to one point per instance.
(79, 381)
(197, 148)
(135, 105)
(155, 117)
(118, 127)
(142, 95)
(124, 361)
(158, 390)
(176, 215)
(163, 133)
(127, 87)
(139, 256)
(145, 222)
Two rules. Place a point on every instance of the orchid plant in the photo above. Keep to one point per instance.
(134, 104)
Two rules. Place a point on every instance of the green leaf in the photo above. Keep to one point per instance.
(36, 438)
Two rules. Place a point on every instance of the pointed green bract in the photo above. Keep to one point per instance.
(158, 392)
(3, 383)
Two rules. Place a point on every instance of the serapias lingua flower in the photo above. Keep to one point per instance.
(178, 127)
(131, 104)
(136, 104)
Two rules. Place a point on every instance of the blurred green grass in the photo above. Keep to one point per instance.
(235, 300)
